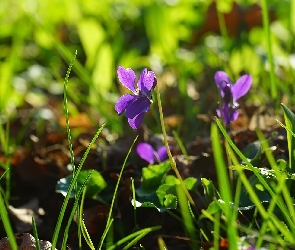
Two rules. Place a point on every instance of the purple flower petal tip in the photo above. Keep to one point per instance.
(127, 77)
(146, 82)
(146, 152)
(230, 93)
(162, 153)
(221, 79)
(136, 121)
(241, 87)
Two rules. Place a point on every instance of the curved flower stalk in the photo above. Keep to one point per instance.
(149, 154)
(230, 93)
(138, 103)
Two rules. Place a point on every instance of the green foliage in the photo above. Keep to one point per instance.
(164, 36)
(209, 189)
(253, 151)
(94, 185)
(152, 177)
(158, 190)
(290, 127)
(225, 190)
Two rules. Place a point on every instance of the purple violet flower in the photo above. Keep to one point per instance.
(138, 103)
(230, 93)
(149, 154)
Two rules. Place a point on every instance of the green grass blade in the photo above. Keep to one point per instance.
(180, 144)
(35, 233)
(82, 224)
(252, 194)
(266, 24)
(161, 243)
(289, 211)
(135, 236)
(74, 209)
(7, 225)
(134, 201)
(75, 176)
(187, 219)
(114, 196)
(290, 124)
(224, 185)
(67, 111)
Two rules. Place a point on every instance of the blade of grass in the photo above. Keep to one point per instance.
(7, 225)
(77, 170)
(266, 26)
(290, 124)
(72, 158)
(224, 186)
(161, 243)
(216, 229)
(172, 161)
(134, 202)
(135, 236)
(82, 224)
(186, 216)
(281, 186)
(114, 196)
(252, 194)
(72, 184)
(74, 209)
(35, 233)
(180, 144)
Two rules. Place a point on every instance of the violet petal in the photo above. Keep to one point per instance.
(221, 80)
(234, 115)
(241, 87)
(162, 153)
(140, 105)
(218, 112)
(146, 152)
(229, 114)
(146, 82)
(136, 121)
(127, 77)
(124, 102)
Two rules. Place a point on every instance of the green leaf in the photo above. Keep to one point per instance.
(290, 125)
(170, 201)
(171, 180)
(212, 209)
(245, 202)
(95, 184)
(163, 191)
(253, 151)
(191, 183)
(91, 34)
(152, 178)
(164, 198)
(209, 189)
(102, 75)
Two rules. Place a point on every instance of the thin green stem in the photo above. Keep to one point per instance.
(180, 144)
(273, 86)
(109, 220)
(172, 161)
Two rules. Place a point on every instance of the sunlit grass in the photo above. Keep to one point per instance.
(138, 35)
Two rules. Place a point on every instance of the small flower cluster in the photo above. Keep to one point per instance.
(230, 93)
(138, 103)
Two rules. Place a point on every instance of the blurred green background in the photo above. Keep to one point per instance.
(184, 42)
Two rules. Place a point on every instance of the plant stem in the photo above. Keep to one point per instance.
(172, 161)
